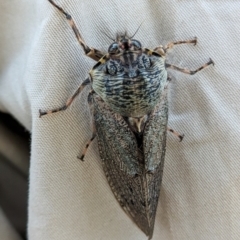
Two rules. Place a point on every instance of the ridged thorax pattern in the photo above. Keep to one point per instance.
(130, 84)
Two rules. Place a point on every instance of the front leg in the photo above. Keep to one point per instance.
(172, 44)
(69, 101)
(90, 52)
(162, 50)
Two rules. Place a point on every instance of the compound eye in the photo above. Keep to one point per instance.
(136, 44)
(113, 48)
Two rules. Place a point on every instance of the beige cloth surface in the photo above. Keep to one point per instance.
(42, 65)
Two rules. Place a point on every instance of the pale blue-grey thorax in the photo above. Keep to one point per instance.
(131, 83)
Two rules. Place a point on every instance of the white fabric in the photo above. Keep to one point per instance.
(42, 65)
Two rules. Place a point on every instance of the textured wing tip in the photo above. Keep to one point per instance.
(150, 235)
(148, 230)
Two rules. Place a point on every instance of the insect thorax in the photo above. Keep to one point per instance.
(130, 84)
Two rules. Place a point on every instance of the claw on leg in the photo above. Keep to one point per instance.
(180, 136)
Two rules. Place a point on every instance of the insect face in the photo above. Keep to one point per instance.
(123, 45)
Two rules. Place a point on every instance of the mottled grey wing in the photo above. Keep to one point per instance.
(135, 181)
(116, 142)
(154, 145)
(120, 158)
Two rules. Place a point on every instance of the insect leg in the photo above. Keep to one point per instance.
(189, 71)
(171, 44)
(81, 157)
(69, 101)
(162, 50)
(94, 132)
(180, 136)
(90, 52)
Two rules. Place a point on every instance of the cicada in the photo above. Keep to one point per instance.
(129, 108)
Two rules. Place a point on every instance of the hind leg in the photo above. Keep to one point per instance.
(94, 134)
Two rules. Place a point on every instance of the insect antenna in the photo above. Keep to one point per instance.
(107, 35)
(137, 30)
